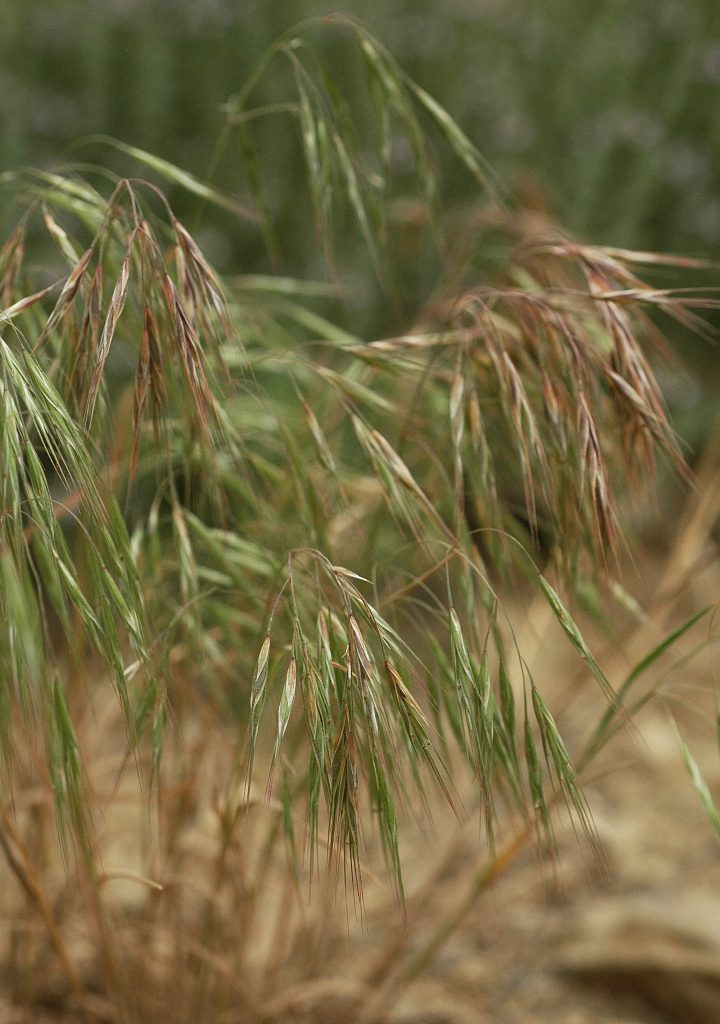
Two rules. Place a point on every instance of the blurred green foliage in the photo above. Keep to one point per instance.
(613, 107)
(265, 484)
(607, 114)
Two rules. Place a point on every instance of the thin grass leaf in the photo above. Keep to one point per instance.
(357, 391)
(607, 724)
(177, 176)
(458, 140)
(700, 786)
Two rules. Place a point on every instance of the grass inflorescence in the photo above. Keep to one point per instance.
(289, 550)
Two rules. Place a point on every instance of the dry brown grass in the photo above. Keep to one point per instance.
(268, 587)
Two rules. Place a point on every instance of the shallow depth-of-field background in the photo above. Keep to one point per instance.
(597, 120)
(604, 114)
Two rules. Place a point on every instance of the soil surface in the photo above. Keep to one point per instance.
(620, 929)
(625, 932)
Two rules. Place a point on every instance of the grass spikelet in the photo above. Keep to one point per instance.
(12, 255)
(239, 539)
(257, 699)
(117, 304)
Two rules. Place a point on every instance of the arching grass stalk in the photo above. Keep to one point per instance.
(220, 503)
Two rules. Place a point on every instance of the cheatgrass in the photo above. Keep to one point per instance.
(262, 580)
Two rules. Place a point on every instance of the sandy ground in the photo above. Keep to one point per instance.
(635, 940)
(628, 935)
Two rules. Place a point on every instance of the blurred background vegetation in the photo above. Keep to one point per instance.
(604, 115)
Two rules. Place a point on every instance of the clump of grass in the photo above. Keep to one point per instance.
(286, 547)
